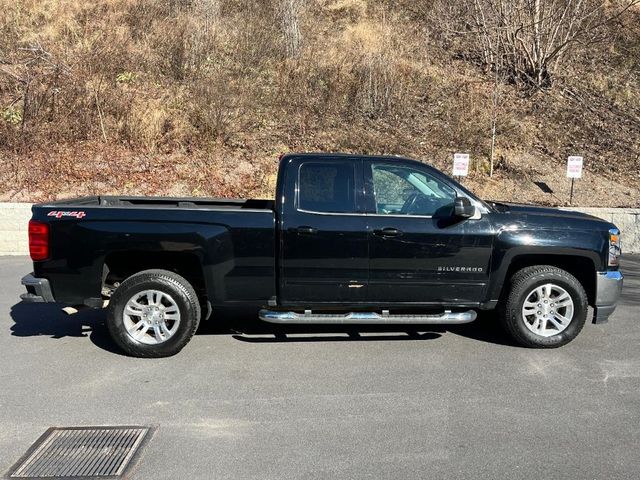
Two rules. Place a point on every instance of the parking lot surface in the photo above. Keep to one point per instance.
(245, 400)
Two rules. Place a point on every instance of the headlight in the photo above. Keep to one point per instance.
(614, 247)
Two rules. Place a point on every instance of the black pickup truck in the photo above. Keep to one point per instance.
(349, 239)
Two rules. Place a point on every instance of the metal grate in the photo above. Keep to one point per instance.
(82, 452)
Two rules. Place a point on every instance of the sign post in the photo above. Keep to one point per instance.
(574, 170)
(460, 165)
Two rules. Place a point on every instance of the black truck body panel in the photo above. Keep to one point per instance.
(235, 246)
(283, 253)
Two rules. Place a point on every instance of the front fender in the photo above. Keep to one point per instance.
(543, 246)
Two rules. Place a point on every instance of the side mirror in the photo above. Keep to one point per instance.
(462, 208)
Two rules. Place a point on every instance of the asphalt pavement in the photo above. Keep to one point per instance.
(250, 401)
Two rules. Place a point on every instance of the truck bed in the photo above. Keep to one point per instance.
(232, 240)
(164, 203)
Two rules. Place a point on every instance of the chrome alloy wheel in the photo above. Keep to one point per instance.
(547, 310)
(151, 317)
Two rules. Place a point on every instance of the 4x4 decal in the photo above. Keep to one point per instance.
(61, 213)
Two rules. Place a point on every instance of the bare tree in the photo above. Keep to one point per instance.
(290, 21)
(37, 77)
(495, 104)
(533, 37)
(203, 31)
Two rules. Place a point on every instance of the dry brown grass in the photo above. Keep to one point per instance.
(199, 97)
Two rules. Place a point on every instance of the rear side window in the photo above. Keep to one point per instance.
(327, 187)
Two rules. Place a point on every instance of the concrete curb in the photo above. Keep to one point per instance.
(14, 218)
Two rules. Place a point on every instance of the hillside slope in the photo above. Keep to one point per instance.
(200, 97)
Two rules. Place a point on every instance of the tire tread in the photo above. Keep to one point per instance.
(154, 275)
(509, 308)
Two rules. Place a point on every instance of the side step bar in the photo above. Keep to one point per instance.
(354, 318)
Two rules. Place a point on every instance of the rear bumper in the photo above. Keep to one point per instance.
(38, 290)
(608, 290)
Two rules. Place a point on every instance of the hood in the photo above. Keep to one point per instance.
(552, 215)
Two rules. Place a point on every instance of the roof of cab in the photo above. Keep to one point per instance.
(330, 155)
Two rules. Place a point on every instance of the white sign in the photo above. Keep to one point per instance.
(460, 164)
(574, 167)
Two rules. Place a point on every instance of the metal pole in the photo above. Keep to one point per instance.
(571, 195)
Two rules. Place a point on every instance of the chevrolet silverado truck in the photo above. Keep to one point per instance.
(349, 239)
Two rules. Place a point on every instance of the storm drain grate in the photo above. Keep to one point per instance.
(82, 452)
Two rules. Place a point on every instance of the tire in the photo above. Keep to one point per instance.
(524, 322)
(153, 313)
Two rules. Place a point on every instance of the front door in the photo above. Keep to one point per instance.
(324, 244)
(419, 252)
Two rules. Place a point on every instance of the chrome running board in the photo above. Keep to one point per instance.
(353, 318)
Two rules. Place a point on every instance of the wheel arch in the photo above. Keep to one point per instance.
(583, 267)
(122, 264)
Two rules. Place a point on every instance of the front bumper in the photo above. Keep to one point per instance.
(608, 290)
(38, 290)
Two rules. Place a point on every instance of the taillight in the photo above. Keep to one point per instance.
(38, 240)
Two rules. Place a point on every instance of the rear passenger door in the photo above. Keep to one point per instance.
(324, 245)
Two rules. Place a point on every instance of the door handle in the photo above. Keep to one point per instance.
(306, 230)
(387, 232)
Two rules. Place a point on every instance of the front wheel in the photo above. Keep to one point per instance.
(545, 307)
(153, 313)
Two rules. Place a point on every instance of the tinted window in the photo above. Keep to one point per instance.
(408, 191)
(327, 187)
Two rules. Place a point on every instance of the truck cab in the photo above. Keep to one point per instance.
(379, 231)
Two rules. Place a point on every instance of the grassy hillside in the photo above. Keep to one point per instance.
(200, 97)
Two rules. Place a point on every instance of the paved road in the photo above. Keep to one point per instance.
(280, 404)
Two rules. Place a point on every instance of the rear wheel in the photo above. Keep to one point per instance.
(546, 307)
(153, 313)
